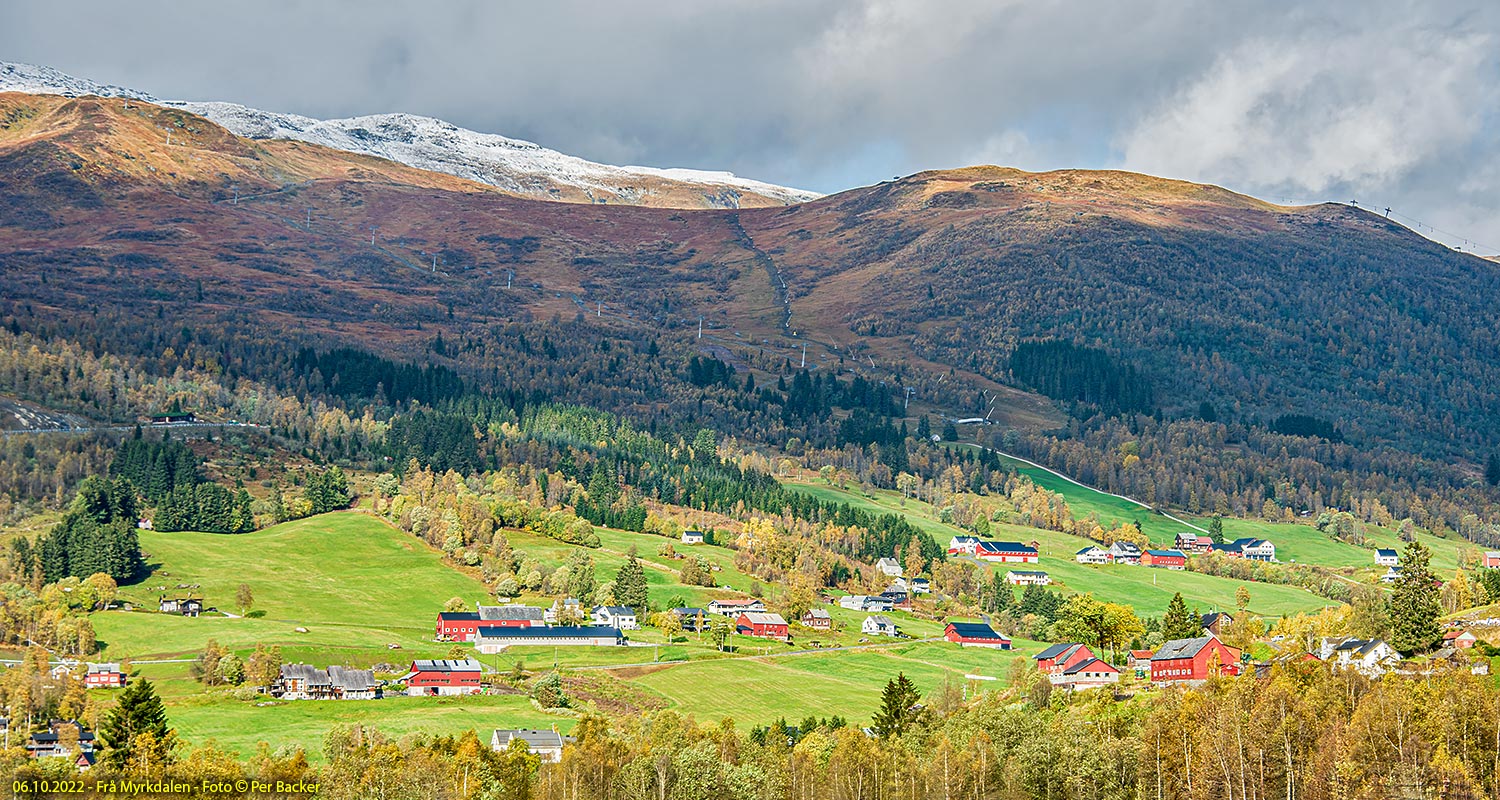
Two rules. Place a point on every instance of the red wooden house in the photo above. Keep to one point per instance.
(457, 626)
(1166, 559)
(104, 676)
(763, 624)
(1193, 660)
(431, 678)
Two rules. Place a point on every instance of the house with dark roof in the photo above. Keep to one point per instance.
(692, 537)
(493, 640)
(1369, 657)
(1125, 553)
(186, 606)
(817, 619)
(1189, 542)
(1216, 621)
(734, 608)
(963, 544)
(1385, 557)
(1093, 554)
(1057, 658)
(547, 744)
(63, 739)
(1089, 673)
(920, 586)
(975, 634)
(1006, 552)
(563, 607)
(878, 625)
(1247, 547)
(1193, 661)
(104, 676)
(691, 619)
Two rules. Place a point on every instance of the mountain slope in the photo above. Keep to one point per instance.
(1197, 303)
(424, 143)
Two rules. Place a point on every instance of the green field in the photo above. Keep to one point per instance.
(1307, 545)
(1145, 589)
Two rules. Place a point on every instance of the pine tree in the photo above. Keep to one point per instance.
(1216, 529)
(1177, 623)
(1415, 607)
(630, 585)
(140, 712)
(897, 707)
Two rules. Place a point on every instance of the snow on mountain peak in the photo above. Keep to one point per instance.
(431, 144)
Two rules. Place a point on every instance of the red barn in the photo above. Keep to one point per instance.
(976, 634)
(1492, 559)
(1006, 552)
(1166, 559)
(431, 678)
(1059, 657)
(763, 624)
(1193, 660)
(457, 626)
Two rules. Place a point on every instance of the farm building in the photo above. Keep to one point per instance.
(548, 744)
(1369, 657)
(306, 682)
(1457, 639)
(1125, 553)
(513, 614)
(457, 626)
(1006, 552)
(104, 676)
(763, 624)
(963, 544)
(1139, 660)
(1491, 560)
(446, 677)
(1248, 547)
(975, 634)
(878, 625)
(692, 537)
(492, 640)
(622, 617)
(889, 566)
(896, 599)
(1387, 558)
(817, 619)
(1027, 577)
(1193, 661)
(1093, 554)
(1164, 559)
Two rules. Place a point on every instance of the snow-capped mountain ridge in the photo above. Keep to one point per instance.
(432, 144)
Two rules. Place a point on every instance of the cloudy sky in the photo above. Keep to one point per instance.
(1390, 102)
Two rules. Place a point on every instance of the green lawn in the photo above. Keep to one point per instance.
(1306, 545)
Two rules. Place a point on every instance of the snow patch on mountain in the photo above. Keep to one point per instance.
(432, 144)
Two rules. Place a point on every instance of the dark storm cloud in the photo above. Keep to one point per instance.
(1388, 101)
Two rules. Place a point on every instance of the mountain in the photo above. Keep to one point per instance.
(1242, 351)
(516, 166)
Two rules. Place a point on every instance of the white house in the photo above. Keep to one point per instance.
(568, 606)
(1370, 657)
(1391, 575)
(692, 537)
(622, 617)
(878, 625)
(734, 608)
(1093, 554)
(1027, 577)
(1387, 558)
(889, 566)
(898, 585)
(546, 744)
(920, 586)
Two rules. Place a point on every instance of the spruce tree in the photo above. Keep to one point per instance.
(897, 707)
(1216, 529)
(630, 585)
(1415, 607)
(1177, 623)
(139, 711)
